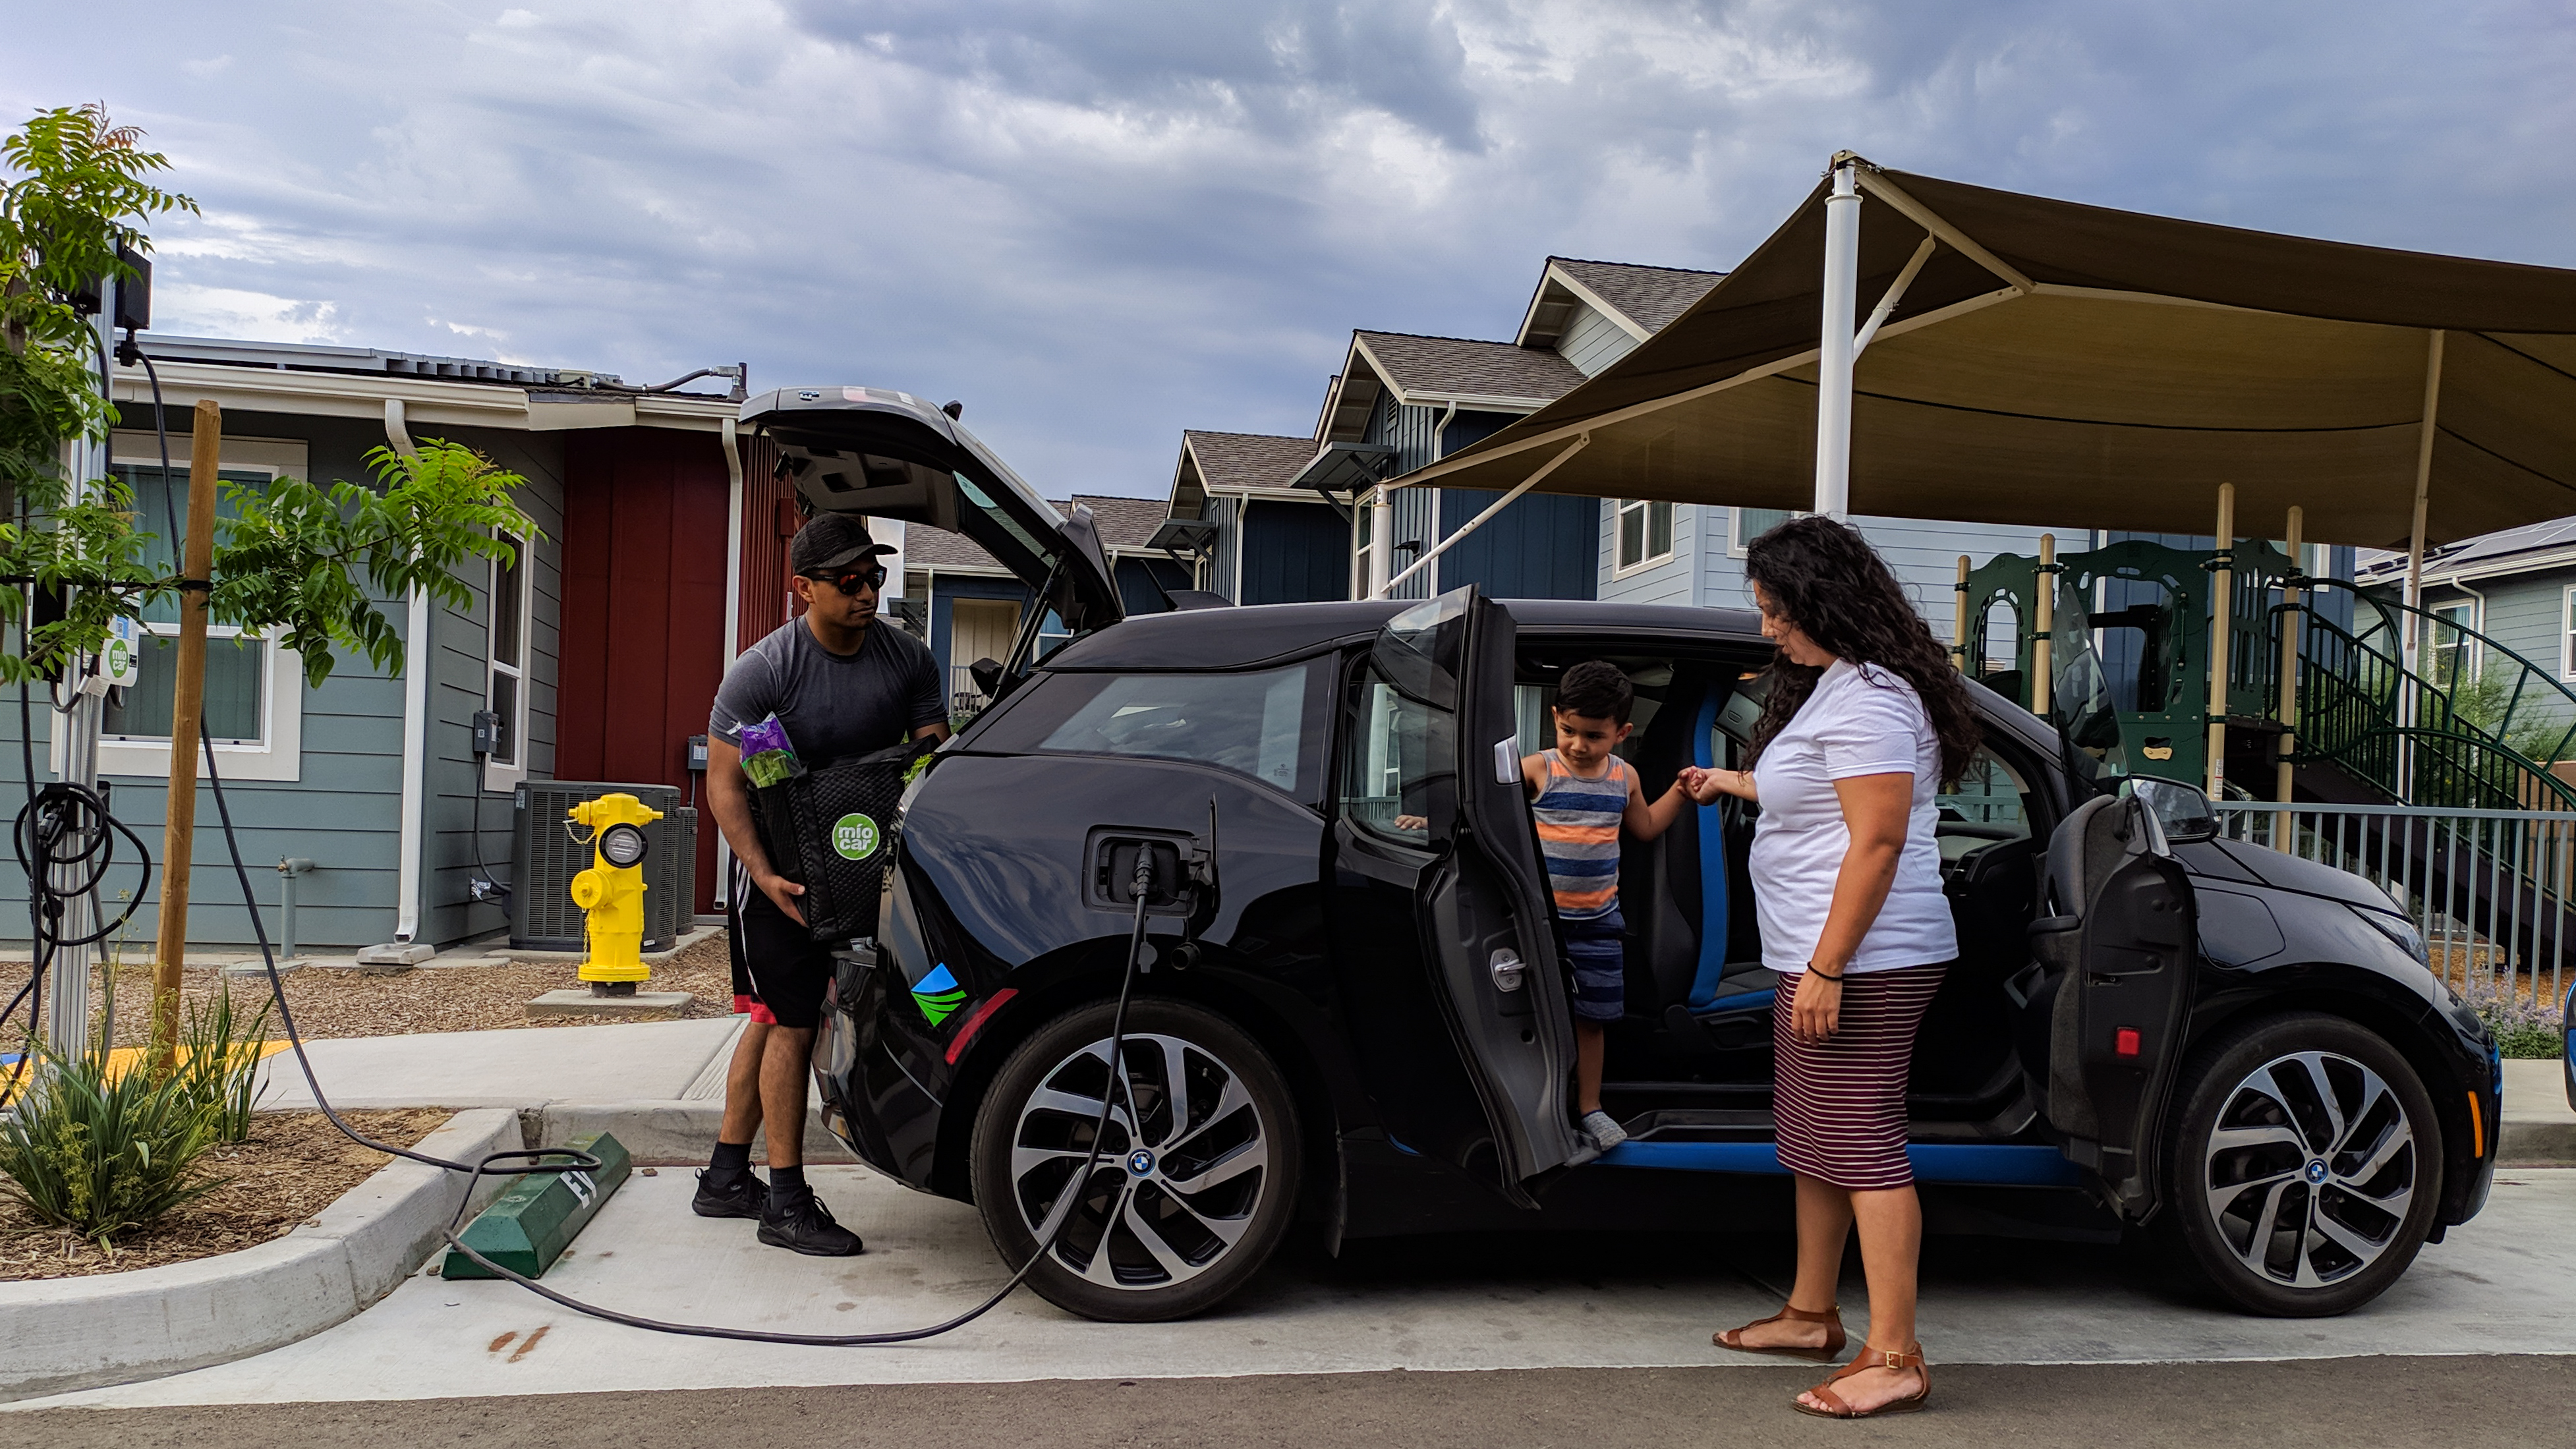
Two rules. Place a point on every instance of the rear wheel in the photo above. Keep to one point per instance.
(1192, 1185)
(2302, 1166)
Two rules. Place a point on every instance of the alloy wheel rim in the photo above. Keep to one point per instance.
(1166, 1200)
(2309, 1169)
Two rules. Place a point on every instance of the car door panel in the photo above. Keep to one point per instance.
(2118, 993)
(1436, 912)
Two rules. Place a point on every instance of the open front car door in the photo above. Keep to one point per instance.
(1435, 835)
(2114, 967)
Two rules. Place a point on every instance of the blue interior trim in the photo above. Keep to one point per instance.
(1712, 867)
(1972, 1162)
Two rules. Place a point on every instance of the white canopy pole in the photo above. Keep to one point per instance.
(1834, 346)
(2411, 642)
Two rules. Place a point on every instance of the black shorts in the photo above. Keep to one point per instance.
(785, 969)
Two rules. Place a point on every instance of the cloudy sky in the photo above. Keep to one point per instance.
(1100, 223)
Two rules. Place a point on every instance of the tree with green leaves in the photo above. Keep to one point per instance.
(301, 563)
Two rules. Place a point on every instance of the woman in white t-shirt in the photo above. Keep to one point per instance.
(1865, 718)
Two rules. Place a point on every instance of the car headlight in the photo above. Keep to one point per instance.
(2401, 933)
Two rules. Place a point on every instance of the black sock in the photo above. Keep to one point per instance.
(730, 1157)
(786, 1184)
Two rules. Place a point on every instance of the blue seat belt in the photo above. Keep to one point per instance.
(1712, 867)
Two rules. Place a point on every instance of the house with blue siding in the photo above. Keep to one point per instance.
(594, 647)
(968, 607)
(1248, 535)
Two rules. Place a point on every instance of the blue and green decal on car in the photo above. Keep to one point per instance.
(938, 994)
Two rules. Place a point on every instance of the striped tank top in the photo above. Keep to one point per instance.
(1578, 833)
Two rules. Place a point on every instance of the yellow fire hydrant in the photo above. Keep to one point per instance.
(611, 892)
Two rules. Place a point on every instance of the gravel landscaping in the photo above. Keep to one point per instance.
(294, 1165)
(331, 1002)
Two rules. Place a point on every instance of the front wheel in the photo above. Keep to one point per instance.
(1193, 1183)
(2302, 1166)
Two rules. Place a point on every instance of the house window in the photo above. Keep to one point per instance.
(1752, 523)
(1363, 546)
(2452, 657)
(1645, 533)
(506, 688)
(254, 690)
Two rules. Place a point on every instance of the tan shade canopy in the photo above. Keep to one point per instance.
(2053, 362)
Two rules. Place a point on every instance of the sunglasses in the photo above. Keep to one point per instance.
(850, 581)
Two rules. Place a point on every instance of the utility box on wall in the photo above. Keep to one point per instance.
(544, 858)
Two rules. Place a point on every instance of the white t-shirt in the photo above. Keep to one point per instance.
(1862, 720)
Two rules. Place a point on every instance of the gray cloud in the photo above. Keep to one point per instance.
(1101, 223)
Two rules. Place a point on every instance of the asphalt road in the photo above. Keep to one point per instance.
(2459, 1403)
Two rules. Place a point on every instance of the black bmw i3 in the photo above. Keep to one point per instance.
(1353, 1009)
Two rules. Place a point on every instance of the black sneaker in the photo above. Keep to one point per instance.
(738, 1194)
(806, 1226)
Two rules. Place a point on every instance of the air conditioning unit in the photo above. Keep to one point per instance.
(544, 857)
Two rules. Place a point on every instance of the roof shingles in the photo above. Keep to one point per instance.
(1651, 297)
(1464, 365)
(1248, 460)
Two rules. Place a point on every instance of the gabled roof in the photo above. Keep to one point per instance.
(1233, 463)
(925, 547)
(1647, 296)
(1436, 372)
(1123, 523)
(1446, 369)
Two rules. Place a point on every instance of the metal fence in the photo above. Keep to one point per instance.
(2489, 889)
(966, 698)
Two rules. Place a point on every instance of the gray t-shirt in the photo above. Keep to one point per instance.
(834, 708)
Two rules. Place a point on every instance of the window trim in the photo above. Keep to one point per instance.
(278, 757)
(1735, 539)
(499, 778)
(1619, 510)
(2567, 635)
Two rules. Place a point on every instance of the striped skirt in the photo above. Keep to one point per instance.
(1840, 1103)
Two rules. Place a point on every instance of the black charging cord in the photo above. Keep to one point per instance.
(559, 1159)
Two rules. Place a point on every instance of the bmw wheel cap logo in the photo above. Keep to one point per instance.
(1140, 1162)
(2316, 1173)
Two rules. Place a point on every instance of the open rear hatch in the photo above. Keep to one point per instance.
(888, 454)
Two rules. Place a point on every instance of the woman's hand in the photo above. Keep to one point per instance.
(1816, 1012)
(1705, 786)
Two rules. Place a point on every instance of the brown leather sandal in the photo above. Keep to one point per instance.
(1871, 1358)
(1832, 1348)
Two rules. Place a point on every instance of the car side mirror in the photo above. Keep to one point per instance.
(987, 674)
(2182, 811)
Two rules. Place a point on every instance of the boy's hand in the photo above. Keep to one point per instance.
(1706, 785)
(1411, 822)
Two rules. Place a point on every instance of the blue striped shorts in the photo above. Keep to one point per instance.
(1594, 948)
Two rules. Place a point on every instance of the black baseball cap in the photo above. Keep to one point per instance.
(831, 541)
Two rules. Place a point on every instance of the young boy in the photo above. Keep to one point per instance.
(1582, 794)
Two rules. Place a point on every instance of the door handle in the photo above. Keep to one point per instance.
(1508, 972)
(1507, 762)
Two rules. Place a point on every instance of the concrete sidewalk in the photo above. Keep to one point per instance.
(658, 1085)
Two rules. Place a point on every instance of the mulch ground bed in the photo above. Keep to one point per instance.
(294, 1165)
(331, 1002)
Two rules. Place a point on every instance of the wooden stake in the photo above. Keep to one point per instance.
(2222, 609)
(2287, 742)
(187, 713)
(2043, 615)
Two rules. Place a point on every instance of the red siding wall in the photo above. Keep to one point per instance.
(643, 609)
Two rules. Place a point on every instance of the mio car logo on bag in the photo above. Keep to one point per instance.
(938, 994)
(854, 836)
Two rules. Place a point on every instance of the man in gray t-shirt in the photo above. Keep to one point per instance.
(843, 685)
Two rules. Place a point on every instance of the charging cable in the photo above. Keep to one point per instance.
(558, 1159)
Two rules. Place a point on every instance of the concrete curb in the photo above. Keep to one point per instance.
(58, 1334)
(663, 1133)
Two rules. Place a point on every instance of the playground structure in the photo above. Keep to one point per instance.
(2119, 648)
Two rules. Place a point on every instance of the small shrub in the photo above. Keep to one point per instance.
(2522, 1026)
(101, 1150)
(219, 1061)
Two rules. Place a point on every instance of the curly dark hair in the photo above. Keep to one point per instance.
(1596, 689)
(1824, 577)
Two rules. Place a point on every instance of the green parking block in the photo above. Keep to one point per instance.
(527, 1227)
